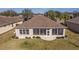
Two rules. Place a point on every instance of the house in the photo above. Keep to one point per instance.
(73, 24)
(8, 23)
(40, 26)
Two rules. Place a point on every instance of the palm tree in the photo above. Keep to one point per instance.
(27, 14)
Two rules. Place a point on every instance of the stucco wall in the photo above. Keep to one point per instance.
(6, 28)
(45, 37)
(73, 26)
(19, 22)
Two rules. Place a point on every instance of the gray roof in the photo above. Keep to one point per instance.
(74, 20)
(4, 20)
(40, 21)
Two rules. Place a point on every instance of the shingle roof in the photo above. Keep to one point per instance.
(74, 20)
(40, 21)
(8, 20)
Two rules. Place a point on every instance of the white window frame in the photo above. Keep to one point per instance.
(24, 31)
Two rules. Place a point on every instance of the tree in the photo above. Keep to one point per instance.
(57, 13)
(8, 13)
(51, 14)
(66, 16)
(27, 14)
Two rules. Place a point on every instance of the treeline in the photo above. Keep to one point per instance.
(26, 13)
(54, 15)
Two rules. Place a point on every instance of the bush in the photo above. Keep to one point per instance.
(14, 37)
(34, 37)
(38, 37)
(28, 37)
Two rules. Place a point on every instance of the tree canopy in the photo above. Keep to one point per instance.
(51, 14)
(8, 13)
(54, 15)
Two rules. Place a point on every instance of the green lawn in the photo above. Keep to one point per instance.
(8, 43)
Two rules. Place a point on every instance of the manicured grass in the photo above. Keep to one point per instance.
(73, 37)
(38, 44)
(6, 36)
(9, 43)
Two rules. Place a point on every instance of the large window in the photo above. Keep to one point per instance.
(36, 31)
(20, 31)
(54, 31)
(60, 31)
(24, 31)
(39, 31)
(27, 31)
(42, 31)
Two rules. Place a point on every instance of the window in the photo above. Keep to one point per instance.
(39, 31)
(24, 31)
(42, 31)
(20, 31)
(27, 31)
(54, 31)
(36, 31)
(60, 31)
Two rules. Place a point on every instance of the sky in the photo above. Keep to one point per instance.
(41, 10)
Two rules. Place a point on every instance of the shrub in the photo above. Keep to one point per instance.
(14, 37)
(38, 37)
(28, 37)
(34, 37)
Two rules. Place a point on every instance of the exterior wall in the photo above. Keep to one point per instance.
(45, 37)
(6, 28)
(24, 35)
(19, 22)
(73, 26)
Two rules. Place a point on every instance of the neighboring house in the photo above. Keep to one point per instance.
(73, 24)
(8, 23)
(40, 26)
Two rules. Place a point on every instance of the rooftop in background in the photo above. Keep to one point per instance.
(4, 20)
(74, 20)
(40, 21)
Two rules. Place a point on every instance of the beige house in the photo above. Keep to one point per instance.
(8, 23)
(40, 26)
